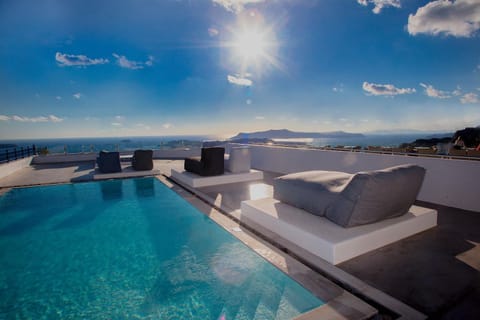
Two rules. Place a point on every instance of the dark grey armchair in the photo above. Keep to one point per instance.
(109, 162)
(209, 164)
(142, 160)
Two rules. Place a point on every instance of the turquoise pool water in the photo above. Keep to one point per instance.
(130, 249)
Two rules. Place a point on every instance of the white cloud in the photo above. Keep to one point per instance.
(239, 81)
(117, 124)
(27, 119)
(149, 62)
(460, 18)
(457, 91)
(58, 98)
(385, 89)
(434, 93)
(70, 60)
(235, 6)
(259, 118)
(167, 125)
(77, 95)
(123, 62)
(469, 98)
(212, 32)
(50, 118)
(54, 118)
(338, 88)
(119, 118)
(380, 4)
(4, 117)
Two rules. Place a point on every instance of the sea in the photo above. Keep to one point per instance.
(79, 145)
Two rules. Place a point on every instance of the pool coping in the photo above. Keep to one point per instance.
(359, 288)
(338, 302)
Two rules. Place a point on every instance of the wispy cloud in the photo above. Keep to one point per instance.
(117, 124)
(239, 81)
(434, 93)
(58, 98)
(167, 125)
(385, 89)
(54, 118)
(236, 6)
(123, 62)
(71, 60)
(50, 118)
(338, 88)
(213, 32)
(77, 95)
(259, 118)
(460, 18)
(149, 62)
(469, 98)
(380, 4)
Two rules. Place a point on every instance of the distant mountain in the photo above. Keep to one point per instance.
(471, 136)
(287, 134)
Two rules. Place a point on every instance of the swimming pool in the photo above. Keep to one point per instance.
(130, 249)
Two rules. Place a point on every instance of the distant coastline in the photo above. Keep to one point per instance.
(280, 137)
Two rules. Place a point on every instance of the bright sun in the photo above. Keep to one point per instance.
(250, 45)
(253, 45)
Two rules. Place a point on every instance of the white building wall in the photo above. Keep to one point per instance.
(449, 182)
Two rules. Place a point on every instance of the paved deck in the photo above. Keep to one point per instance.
(436, 272)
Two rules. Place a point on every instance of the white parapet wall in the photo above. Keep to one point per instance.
(64, 158)
(13, 166)
(449, 182)
(79, 157)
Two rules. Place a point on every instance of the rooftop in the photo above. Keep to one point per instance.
(435, 272)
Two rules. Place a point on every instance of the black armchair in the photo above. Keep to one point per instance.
(109, 162)
(209, 164)
(142, 160)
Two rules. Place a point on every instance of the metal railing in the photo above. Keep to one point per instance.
(12, 154)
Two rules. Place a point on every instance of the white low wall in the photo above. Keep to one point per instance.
(176, 153)
(64, 158)
(13, 166)
(448, 182)
(78, 157)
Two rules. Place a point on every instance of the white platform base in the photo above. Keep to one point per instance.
(326, 239)
(195, 181)
(128, 172)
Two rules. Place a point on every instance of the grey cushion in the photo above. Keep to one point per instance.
(376, 195)
(312, 191)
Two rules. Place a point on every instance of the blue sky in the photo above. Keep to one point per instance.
(159, 67)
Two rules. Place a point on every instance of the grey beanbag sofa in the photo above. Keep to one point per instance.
(352, 199)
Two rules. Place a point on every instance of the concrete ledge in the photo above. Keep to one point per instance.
(327, 240)
(13, 166)
(196, 181)
(64, 158)
(128, 172)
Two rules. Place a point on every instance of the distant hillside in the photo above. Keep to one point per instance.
(287, 134)
(471, 136)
